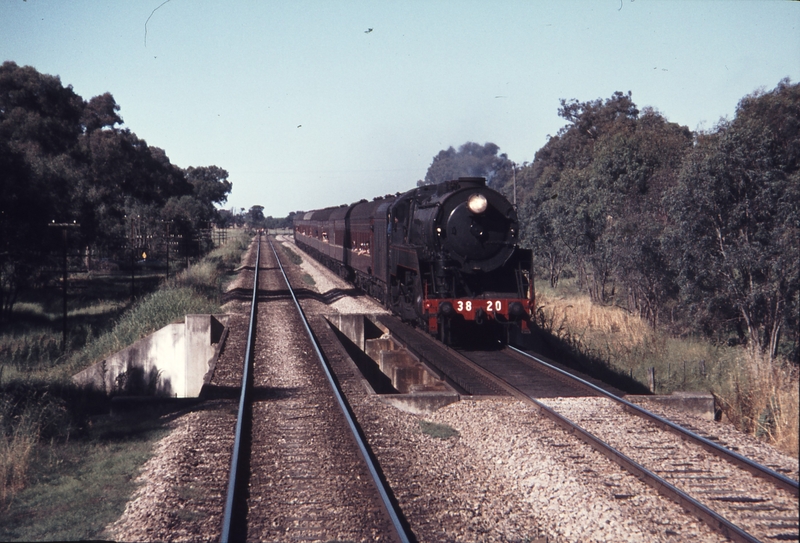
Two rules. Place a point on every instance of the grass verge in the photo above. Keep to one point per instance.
(293, 257)
(66, 467)
(79, 488)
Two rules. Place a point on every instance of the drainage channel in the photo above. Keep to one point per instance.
(398, 376)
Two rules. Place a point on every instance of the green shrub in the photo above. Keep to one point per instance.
(439, 431)
(293, 257)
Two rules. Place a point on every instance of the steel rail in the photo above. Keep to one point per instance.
(399, 525)
(747, 464)
(232, 495)
(663, 487)
(703, 512)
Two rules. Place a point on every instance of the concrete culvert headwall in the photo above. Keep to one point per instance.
(172, 362)
(390, 370)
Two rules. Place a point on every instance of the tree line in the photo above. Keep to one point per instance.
(66, 161)
(253, 218)
(693, 231)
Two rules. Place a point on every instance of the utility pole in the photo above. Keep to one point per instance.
(64, 228)
(514, 170)
(166, 223)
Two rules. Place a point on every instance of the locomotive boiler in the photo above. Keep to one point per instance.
(443, 256)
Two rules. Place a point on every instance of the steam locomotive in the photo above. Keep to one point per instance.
(442, 256)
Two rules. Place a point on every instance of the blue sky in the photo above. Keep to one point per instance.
(306, 109)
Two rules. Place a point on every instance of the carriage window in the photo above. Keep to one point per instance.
(324, 236)
(360, 244)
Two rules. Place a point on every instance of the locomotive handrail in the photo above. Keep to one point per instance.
(243, 399)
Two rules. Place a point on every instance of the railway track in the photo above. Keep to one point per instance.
(510, 475)
(744, 500)
(300, 468)
(741, 499)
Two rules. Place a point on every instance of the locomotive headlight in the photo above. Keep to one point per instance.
(477, 203)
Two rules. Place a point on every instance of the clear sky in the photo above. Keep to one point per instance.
(306, 107)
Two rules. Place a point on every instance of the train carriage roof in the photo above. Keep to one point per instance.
(322, 214)
(362, 210)
(339, 213)
(367, 210)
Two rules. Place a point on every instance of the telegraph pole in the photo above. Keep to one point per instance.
(514, 170)
(64, 228)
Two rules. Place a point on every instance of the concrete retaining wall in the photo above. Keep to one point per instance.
(171, 362)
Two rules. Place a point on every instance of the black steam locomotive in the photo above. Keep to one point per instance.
(444, 256)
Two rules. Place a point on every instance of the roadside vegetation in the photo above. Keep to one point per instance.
(667, 248)
(66, 467)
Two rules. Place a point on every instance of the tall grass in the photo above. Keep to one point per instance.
(20, 433)
(759, 396)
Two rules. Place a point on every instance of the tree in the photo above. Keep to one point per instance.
(20, 228)
(210, 184)
(64, 160)
(594, 200)
(632, 170)
(255, 217)
(122, 174)
(38, 115)
(100, 112)
(737, 211)
(39, 131)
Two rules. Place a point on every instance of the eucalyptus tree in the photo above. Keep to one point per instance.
(737, 221)
(594, 204)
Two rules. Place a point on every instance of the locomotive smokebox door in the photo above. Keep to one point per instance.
(480, 230)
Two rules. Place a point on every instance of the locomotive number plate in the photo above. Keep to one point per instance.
(468, 305)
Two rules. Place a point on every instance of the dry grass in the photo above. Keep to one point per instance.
(579, 319)
(18, 437)
(762, 397)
